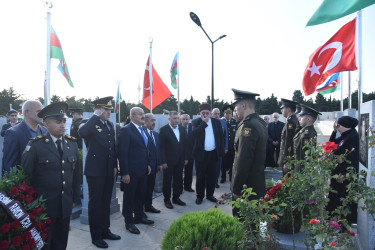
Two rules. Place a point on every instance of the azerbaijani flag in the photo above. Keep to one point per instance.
(118, 99)
(174, 71)
(56, 52)
(331, 85)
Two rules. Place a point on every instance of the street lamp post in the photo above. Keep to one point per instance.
(196, 20)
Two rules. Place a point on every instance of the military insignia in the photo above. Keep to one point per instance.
(39, 136)
(246, 131)
(46, 140)
(290, 126)
(306, 131)
(36, 138)
(97, 126)
(27, 148)
(99, 129)
(61, 111)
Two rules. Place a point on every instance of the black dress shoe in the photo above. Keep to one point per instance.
(152, 210)
(211, 198)
(144, 215)
(111, 236)
(143, 220)
(132, 228)
(189, 190)
(100, 243)
(222, 181)
(178, 201)
(168, 204)
(217, 185)
(198, 201)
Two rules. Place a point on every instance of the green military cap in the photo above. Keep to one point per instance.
(56, 110)
(227, 108)
(309, 111)
(12, 111)
(288, 103)
(104, 102)
(75, 110)
(240, 95)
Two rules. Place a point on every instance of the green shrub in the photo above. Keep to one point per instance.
(196, 230)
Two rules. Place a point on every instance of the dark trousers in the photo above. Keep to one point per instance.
(172, 177)
(150, 189)
(219, 165)
(206, 174)
(227, 164)
(134, 197)
(188, 177)
(100, 192)
(58, 233)
(272, 151)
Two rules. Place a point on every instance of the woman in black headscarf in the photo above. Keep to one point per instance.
(347, 142)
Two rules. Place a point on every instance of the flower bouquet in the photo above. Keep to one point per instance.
(23, 218)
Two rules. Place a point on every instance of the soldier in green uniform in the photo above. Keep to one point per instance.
(76, 114)
(298, 111)
(250, 147)
(231, 131)
(307, 117)
(286, 145)
(51, 161)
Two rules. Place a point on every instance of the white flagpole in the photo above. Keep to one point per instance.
(150, 74)
(178, 81)
(359, 40)
(342, 92)
(48, 66)
(349, 91)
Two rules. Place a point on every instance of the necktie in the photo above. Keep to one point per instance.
(107, 125)
(153, 138)
(187, 130)
(59, 148)
(143, 135)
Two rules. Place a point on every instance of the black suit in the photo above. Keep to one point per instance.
(274, 134)
(189, 143)
(173, 154)
(4, 128)
(205, 161)
(155, 161)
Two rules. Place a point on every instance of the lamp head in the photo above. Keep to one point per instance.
(195, 19)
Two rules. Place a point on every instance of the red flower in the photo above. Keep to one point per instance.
(4, 244)
(26, 247)
(37, 210)
(4, 228)
(205, 248)
(26, 235)
(329, 146)
(16, 241)
(29, 199)
(313, 221)
(21, 197)
(49, 221)
(44, 236)
(31, 191)
(349, 232)
(13, 191)
(38, 226)
(333, 243)
(16, 224)
(32, 217)
(24, 187)
(32, 243)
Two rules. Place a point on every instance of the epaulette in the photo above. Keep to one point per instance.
(70, 138)
(36, 138)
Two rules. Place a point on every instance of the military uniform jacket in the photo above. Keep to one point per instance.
(56, 179)
(287, 135)
(301, 139)
(250, 153)
(101, 157)
(231, 132)
(74, 131)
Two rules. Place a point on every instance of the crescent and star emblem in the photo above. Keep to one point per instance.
(334, 61)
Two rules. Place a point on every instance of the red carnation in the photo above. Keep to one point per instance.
(13, 191)
(329, 146)
(349, 232)
(37, 210)
(26, 247)
(16, 224)
(31, 191)
(333, 243)
(29, 199)
(26, 235)
(21, 197)
(4, 244)
(32, 243)
(32, 216)
(16, 241)
(39, 225)
(45, 230)
(44, 236)
(24, 187)
(4, 228)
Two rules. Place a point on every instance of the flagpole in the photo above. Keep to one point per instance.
(48, 65)
(349, 92)
(178, 81)
(359, 37)
(342, 93)
(150, 73)
(119, 103)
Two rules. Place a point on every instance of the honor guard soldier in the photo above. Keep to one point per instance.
(100, 169)
(288, 109)
(51, 160)
(298, 110)
(250, 147)
(231, 131)
(307, 117)
(76, 114)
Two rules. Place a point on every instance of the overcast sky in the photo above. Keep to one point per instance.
(266, 49)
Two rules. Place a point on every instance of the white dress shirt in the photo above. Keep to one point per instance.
(209, 139)
(176, 132)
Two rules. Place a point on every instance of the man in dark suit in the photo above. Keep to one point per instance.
(133, 148)
(231, 132)
(189, 143)
(208, 148)
(155, 160)
(12, 116)
(100, 169)
(274, 139)
(17, 137)
(51, 161)
(173, 154)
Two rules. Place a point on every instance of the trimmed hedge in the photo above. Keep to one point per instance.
(210, 228)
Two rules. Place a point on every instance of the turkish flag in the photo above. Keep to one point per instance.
(336, 55)
(160, 91)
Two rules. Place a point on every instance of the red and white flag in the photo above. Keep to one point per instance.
(336, 55)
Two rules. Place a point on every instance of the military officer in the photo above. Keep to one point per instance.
(298, 110)
(76, 114)
(51, 160)
(288, 110)
(100, 169)
(229, 156)
(250, 147)
(307, 117)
